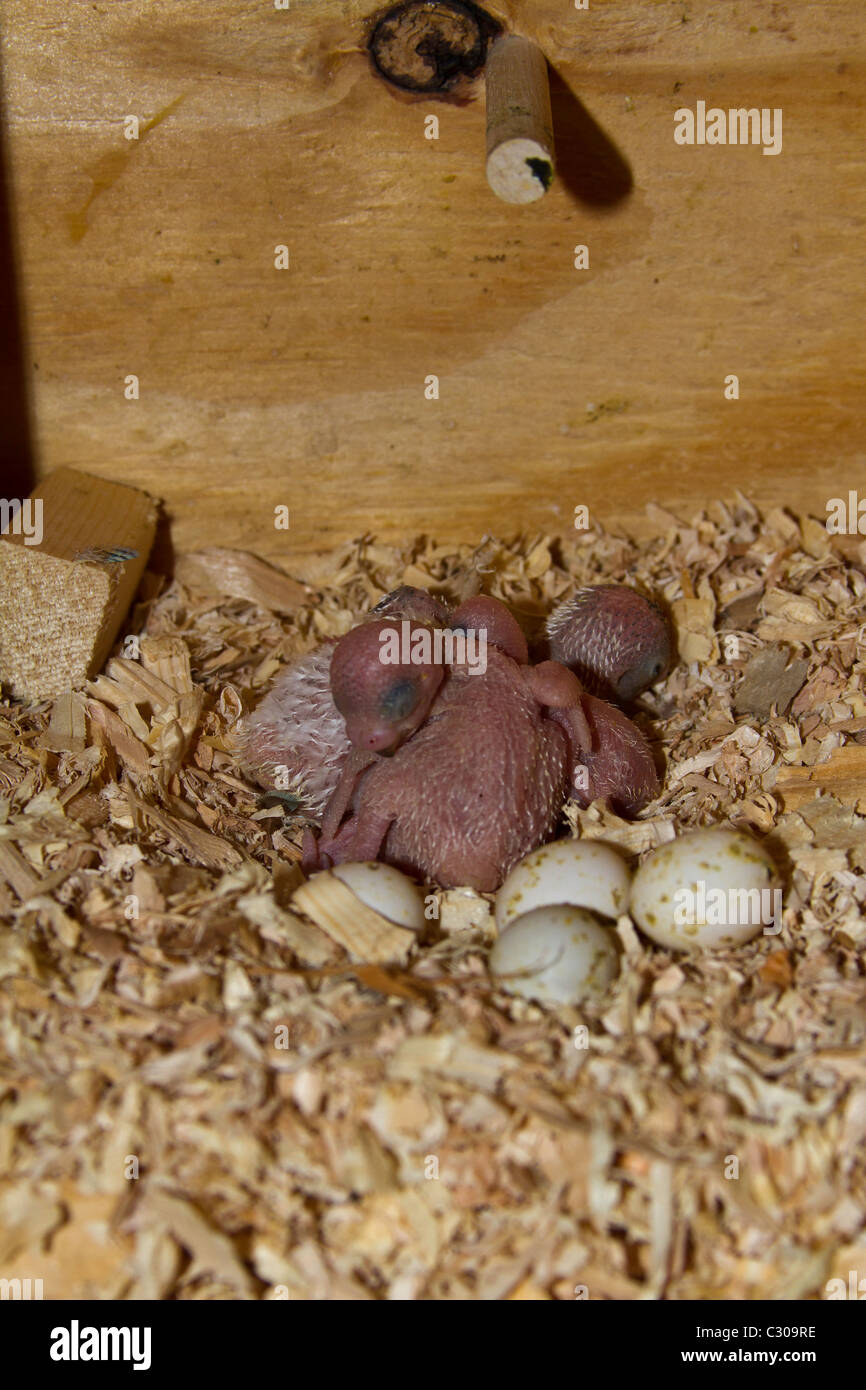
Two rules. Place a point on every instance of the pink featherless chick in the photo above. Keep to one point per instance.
(297, 741)
(617, 641)
(480, 782)
(617, 766)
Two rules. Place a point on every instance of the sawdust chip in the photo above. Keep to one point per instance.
(237, 574)
(769, 681)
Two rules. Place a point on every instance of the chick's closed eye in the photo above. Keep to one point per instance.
(640, 677)
(398, 700)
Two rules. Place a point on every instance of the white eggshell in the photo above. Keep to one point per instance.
(562, 954)
(704, 891)
(584, 873)
(386, 890)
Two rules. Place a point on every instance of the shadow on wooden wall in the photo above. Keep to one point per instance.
(17, 474)
(587, 161)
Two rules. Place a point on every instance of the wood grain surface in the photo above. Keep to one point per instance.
(557, 386)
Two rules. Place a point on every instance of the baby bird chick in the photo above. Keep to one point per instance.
(615, 640)
(381, 702)
(296, 739)
(618, 765)
(482, 781)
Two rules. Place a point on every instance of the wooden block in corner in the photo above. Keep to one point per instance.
(62, 601)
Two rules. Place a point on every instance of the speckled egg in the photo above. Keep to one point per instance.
(385, 889)
(584, 873)
(556, 955)
(708, 889)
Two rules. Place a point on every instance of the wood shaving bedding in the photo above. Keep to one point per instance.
(204, 1096)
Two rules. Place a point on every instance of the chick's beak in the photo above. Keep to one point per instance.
(373, 736)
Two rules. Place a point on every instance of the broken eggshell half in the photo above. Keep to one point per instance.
(552, 946)
(581, 873)
(386, 890)
(370, 909)
(556, 955)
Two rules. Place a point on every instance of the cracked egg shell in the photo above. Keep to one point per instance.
(582, 873)
(556, 955)
(706, 890)
(386, 890)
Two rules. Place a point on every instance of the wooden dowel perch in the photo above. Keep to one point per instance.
(519, 123)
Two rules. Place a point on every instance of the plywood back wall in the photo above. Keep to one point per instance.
(557, 386)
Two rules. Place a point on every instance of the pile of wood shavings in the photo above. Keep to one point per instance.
(202, 1097)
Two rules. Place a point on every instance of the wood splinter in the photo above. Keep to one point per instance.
(519, 122)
